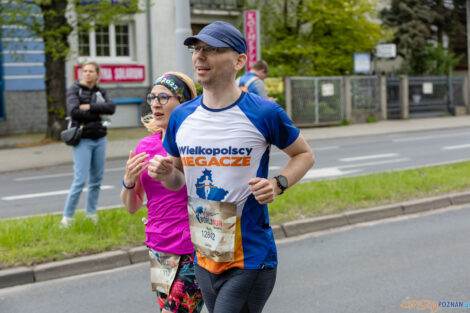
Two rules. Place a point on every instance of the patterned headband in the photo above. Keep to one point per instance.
(176, 85)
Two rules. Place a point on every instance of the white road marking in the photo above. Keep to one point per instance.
(430, 137)
(327, 172)
(274, 167)
(325, 148)
(369, 157)
(375, 163)
(61, 175)
(465, 146)
(341, 170)
(47, 194)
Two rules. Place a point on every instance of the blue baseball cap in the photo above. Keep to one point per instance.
(220, 35)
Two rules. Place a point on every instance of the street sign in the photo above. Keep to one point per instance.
(252, 36)
(386, 51)
(327, 90)
(361, 62)
(427, 88)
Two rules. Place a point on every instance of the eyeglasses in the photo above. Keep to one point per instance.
(161, 97)
(208, 50)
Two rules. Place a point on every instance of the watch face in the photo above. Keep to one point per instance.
(282, 181)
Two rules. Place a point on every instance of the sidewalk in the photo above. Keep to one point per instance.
(59, 154)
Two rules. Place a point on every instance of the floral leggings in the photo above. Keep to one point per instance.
(185, 296)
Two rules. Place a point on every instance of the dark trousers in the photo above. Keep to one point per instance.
(236, 290)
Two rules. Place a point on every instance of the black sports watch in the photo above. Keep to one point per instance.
(282, 183)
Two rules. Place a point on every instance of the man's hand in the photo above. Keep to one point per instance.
(161, 168)
(264, 190)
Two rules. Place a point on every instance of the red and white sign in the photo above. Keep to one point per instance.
(117, 73)
(252, 37)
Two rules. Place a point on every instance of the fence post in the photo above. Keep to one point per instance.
(383, 96)
(465, 87)
(404, 98)
(288, 95)
(347, 98)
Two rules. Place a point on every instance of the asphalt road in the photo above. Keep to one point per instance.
(44, 191)
(367, 268)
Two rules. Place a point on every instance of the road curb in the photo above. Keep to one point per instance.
(108, 260)
(16, 276)
(81, 265)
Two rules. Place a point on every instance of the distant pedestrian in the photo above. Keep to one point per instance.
(253, 81)
(86, 104)
(167, 228)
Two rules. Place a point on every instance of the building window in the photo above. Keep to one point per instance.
(102, 41)
(84, 43)
(122, 40)
(113, 41)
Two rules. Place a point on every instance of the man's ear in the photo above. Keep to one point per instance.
(241, 61)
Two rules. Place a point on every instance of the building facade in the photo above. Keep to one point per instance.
(131, 55)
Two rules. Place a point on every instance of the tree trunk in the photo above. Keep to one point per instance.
(55, 37)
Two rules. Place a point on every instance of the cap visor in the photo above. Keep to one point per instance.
(210, 41)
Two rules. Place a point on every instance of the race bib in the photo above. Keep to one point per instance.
(212, 225)
(163, 268)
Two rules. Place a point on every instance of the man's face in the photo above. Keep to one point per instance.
(215, 67)
(262, 74)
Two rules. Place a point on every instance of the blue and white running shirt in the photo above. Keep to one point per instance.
(221, 150)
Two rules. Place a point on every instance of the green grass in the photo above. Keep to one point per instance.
(338, 195)
(127, 133)
(40, 239)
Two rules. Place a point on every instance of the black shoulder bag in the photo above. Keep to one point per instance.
(72, 135)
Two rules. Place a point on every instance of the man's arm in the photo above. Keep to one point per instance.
(261, 88)
(301, 160)
(168, 170)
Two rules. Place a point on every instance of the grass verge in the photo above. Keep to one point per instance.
(40, 239)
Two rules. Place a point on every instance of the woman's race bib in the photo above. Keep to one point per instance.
(212, 225)
(163, 268)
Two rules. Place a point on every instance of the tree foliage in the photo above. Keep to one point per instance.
(419, 23)
(316, 37)
(440, 61)
(53, 21)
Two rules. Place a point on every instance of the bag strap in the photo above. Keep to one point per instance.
(250, 81)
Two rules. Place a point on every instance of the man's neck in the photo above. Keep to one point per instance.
(216, 98)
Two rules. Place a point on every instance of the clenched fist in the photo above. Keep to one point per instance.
(160, 168)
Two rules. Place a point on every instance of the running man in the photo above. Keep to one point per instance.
(223, 139)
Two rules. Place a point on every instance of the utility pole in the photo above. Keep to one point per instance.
(182, 31)
(468, 53)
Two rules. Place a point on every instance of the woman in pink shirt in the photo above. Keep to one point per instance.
(167, 227)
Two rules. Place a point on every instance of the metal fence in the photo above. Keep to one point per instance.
(458, 91)
(365, 93)
(316, 100)
(319, 100)
(428, 96)
(393, 98)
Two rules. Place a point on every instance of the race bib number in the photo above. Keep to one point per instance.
(163, 268)
(213, 225)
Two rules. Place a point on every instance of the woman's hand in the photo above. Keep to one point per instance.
(84, 107)
(161, 168)
(135, 166)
